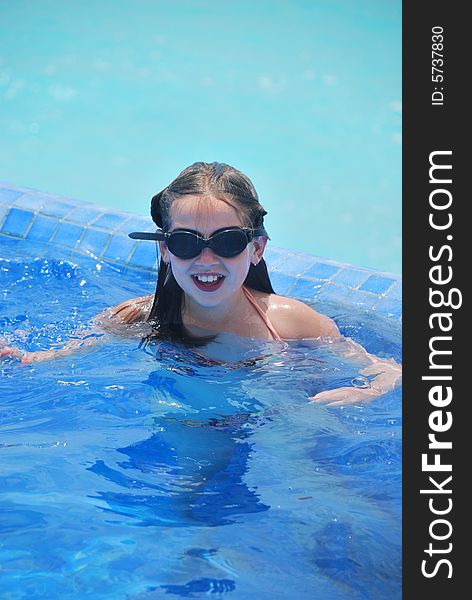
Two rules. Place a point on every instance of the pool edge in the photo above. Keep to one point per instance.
(86, 228)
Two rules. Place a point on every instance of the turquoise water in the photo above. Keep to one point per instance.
(108, 100)
(145, 472)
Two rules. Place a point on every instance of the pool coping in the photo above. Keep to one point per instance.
(82, 227)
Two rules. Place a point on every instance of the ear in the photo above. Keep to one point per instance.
(258, 247)
(164, 252)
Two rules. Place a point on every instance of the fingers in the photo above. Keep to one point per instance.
(338, 403)
(9, 352)
(384, 365)
(344, 395)
(388, 376)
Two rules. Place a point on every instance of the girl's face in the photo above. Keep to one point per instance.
(208, 279)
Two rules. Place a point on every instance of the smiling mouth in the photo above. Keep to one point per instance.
(208, 282)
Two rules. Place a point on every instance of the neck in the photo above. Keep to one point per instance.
(214, 318)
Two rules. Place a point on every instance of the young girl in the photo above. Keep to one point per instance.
(213, 280)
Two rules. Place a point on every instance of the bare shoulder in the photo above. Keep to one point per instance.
(293, 319)
(134, 310)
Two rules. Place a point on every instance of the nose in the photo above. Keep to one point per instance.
(207, 257)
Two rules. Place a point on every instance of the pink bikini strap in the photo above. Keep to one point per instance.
(261, 313)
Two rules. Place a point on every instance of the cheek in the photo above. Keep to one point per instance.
(178, 266)
(241, 265)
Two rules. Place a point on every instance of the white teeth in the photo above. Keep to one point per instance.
(207, 278)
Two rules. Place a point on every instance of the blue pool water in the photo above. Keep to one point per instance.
(145, 472)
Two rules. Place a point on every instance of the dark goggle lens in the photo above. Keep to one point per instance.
(229, 243)
(187, 245)
(183, 244)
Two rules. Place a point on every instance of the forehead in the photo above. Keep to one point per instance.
(204, 214)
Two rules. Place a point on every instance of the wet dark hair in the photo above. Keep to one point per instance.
(214, 180)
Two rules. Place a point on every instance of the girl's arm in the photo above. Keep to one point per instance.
(295, 320)
(112, 319)
(81, 340)
(379, 376)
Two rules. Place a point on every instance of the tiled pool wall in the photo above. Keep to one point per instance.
(85, 228)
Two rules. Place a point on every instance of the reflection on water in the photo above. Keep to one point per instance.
(148, 470)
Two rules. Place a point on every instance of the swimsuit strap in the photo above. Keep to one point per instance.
(261, 313)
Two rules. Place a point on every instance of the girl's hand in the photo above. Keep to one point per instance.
(10, 352)
(387, 376)
(344, 395)
(26, 358)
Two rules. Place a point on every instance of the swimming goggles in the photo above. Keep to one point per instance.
(186, 243)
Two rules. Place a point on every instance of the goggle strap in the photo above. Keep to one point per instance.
(157, 236)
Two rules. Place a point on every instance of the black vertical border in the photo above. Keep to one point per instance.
(428, 128)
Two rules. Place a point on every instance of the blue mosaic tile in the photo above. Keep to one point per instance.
(83, 215)
(351, 277)
(296, 264)
(117, 267)
(33, 200)
(362, 299)
(377, 284)
(276, 256)
(57, 208)
(7, 196)
(395, 292)
(273, 252)
(42, 229)
(144, 256)
(321, 271)
(334, 292)
(17, 221)
(10, 241)
(68, 234)
(3, 213)
(93, 241)
(281, 282)
(109, 221)
(119, 248)
(389, 307)
(306, 288)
